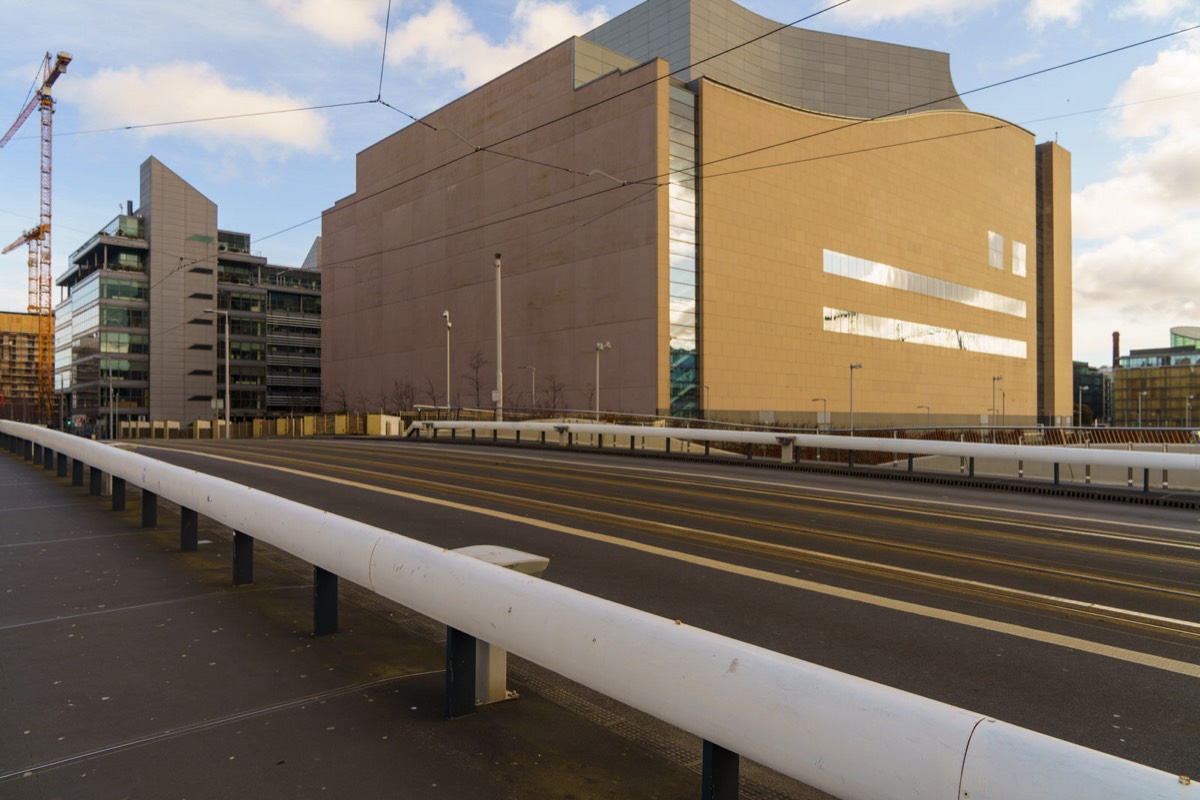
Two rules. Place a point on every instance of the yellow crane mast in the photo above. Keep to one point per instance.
(38, 237)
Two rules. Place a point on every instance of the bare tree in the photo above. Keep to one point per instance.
(403, 394)
(474, 380)
(430, 391)
(340, 400)
(554, 391)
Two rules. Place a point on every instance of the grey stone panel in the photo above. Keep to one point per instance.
(791, 66)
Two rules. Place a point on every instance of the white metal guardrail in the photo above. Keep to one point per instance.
(852, 738)
(1044, 454)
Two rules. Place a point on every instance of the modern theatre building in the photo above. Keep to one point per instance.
(745, 232)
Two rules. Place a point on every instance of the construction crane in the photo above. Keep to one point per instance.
(38, 237)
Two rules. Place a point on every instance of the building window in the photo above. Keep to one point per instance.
(898, 330)
(1018, 258)
(995, 250)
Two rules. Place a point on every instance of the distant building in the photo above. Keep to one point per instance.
(1093, 390)
(18, 367)
(135, 336)
(741, 229)
(1160, 387)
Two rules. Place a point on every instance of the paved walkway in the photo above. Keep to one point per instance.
(129, 669)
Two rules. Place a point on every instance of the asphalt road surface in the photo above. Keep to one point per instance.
(1079, 619)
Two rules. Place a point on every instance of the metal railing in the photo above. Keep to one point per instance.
(845, 735)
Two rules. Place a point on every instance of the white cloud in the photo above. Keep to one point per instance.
(873, 12)
(194, 90)
(1158, 182)
(445, 40)
(1151, 9)
(1040, 13)
(344, 22)
(1140, 273)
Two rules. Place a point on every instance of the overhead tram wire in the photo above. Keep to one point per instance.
(809, 136)
(927, 103)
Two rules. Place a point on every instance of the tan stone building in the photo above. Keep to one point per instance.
(741, 233)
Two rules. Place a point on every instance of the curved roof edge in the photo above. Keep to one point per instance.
(826, 72)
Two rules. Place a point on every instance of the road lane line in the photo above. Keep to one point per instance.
(1021, 631)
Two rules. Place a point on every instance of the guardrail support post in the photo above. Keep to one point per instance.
(910, 462)
(749, 451)
(243, 559)
(27, 450)
(1146, 479)
(118, 494)
(719, 778)
(95, 481)
(667, 445)
(149, 509)
(76, 472)
(599, 441)
(325, 602)
(1165, 484)
(1020, 469)
(1087, 473)
(47, 458)
(62, 465)
(971, 467)
(850, 459)
(189, 530)
(1056, 473)
(460, 673)
(36, 456)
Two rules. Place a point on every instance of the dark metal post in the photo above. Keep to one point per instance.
(149, 509)
(325, 602)
(706, 447)
(243, 559)
(749, 451)
(189, 530)
(28, 450)
(37, 453)
(76, 472)
(62, 465)
(118, 494)
(971, 467)
(1146, 479)
(460, 673)
(47, 458)
(850, 458)
(719, 778)
(910, 462)
(1056, 473)
(96, 481)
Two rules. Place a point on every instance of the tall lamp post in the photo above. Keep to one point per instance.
(824, 411)
(1188, 420)
(1082, 389)
(220, 312)
(499, 348)
(853, 367)
(446, 316)
(926, 415)
(1140, 396)
(600, 346)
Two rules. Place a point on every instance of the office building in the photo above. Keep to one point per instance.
(810, 224)
(1159, 387)
(138, 336)
(18, 366)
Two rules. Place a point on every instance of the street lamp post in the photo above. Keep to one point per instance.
(1140, 396)
(1082, 389)
(707, 405)
(600, 346)
(824, 411)
(1188, 420)
(499, 348)
(446, 316)
(219, 312)
(926, 414)
(853, 367)
(1003, 407)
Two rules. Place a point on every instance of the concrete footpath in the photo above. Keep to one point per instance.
(129, 669)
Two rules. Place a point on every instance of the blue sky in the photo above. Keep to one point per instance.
(1136, 167)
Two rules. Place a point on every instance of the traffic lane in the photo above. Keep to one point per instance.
(1006, 563)
(416, 519)
(1130, 710)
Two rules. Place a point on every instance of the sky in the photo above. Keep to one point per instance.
(1131, 119)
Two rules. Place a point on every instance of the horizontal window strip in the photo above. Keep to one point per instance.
(898, 330)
